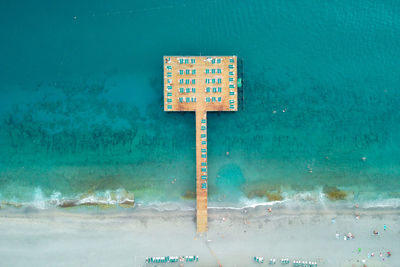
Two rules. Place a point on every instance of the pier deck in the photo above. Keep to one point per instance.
(200, 84)
(201, 170)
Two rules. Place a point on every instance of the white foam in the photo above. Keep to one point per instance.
(381, 203)
(39, 200)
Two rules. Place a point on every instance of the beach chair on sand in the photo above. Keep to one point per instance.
(189, 258)
(259, 259)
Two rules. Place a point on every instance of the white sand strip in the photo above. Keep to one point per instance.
(60, 238)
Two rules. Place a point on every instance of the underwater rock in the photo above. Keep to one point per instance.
(125, 198)
(270, 191)
(333, 193)
(394, 194)
(256, 193)
(68, 203)
(127, 203)
(189, 195)
(272, 196)
(10, 204)
(109, 199)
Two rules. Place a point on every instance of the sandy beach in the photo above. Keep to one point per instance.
(70, 238)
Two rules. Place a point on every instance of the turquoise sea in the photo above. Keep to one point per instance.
(81, 112)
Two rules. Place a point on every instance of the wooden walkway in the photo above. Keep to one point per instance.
(201, 170)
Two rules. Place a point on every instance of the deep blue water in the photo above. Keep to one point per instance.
(81, 107)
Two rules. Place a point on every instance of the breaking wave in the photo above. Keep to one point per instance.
(119, 197)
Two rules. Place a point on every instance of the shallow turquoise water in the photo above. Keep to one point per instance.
(81, 99)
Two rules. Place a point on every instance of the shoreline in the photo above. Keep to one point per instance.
(279, 207)
(127, 201)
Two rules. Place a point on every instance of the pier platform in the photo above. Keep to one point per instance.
(200, 84)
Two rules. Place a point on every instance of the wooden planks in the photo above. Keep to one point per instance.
(201, 170)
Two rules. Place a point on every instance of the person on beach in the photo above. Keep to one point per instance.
(349, 236)
(384, 227)
(376, 232)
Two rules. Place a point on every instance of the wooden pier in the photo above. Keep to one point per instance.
(200, 84)
(201, 170)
